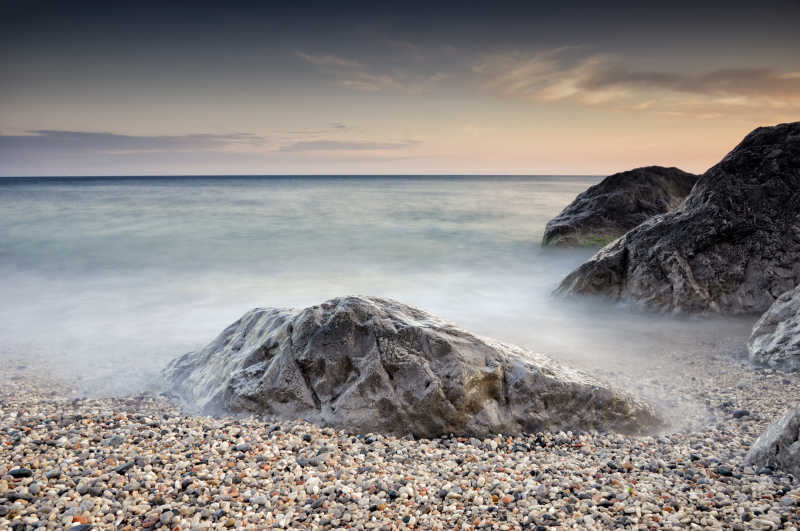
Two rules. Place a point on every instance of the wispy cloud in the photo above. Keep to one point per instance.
(57, 152)
(366, 82)
(328, 60)
(49, 141)
(338, 145)
(333, 128)
(355, 75)
(572, 74)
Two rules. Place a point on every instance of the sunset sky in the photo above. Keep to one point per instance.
(113, 88)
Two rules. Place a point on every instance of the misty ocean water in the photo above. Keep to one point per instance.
(110, 278)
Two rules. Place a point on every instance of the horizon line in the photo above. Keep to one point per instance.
(190, 175)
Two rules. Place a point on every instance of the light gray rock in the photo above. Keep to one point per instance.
(618, 203)
(375, 365)
(779, 446)
(775, 340)
(733, 246)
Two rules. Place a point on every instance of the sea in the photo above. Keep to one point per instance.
(109, 278)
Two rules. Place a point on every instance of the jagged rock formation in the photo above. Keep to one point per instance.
(732, 247)
(778, 447)
(775, 340)
(609, 209)
(374, 365)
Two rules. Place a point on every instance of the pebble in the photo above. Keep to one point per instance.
(141, 462)
(18, 473)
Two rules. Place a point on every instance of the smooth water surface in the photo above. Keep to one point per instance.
(112, 277)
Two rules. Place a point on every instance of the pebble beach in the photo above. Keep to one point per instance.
(142, 462)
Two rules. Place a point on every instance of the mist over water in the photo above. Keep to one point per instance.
(109, 278)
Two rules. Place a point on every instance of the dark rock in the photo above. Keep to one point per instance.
(739, 413)
(778, 447)
(775, 340)
(80, 527)
(375, 365)
(732, 247)
(724, 471)
(124, 467)
(14, 496)
(18, 473)
(617, 204)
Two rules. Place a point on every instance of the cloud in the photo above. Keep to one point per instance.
(328, 60)
(55, 152)
(45, 142)
(366, 82)
(307, 132)
(369, 82)
(56, 141)
(570, 74)
(355, 75)
(337, 145)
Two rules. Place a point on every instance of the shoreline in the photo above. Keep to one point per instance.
(141, 462)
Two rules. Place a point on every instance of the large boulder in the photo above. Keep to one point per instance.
(775, 340)
(609, 209)
(375, 365)
(732, 247)
(778, 447)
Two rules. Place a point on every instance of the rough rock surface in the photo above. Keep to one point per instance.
(732, 247)
(617, 204)
(375, 365)
(775, 340)
(779, 446)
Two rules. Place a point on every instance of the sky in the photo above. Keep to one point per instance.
(129, 88)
